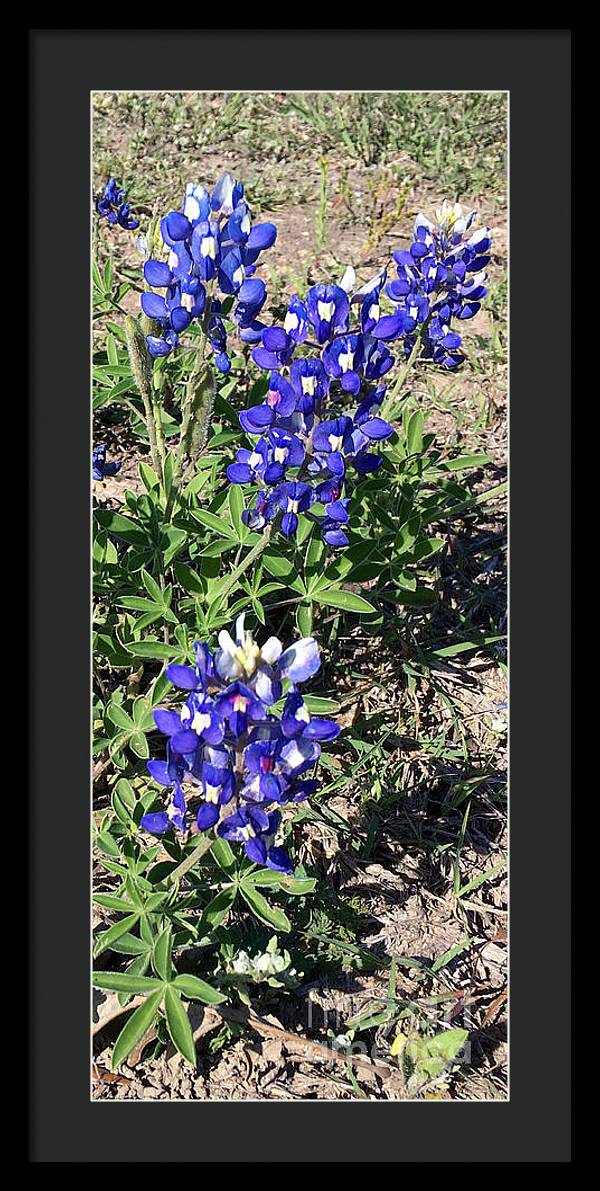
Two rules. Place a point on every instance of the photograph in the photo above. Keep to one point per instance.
(299, 403)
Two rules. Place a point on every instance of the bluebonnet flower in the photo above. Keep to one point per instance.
(257, 830)
(328, 310)
(218, 787)
(334, 522)
(262, 512)
(343, 360)
(210, 245)
(308, 440)
(296, 320)
(310, 381)
(295, 438)
(112, 206)
(100, 468)
(174, 815)
(293, 497)
(279, 402)
(228, 751)
(433, 285)
(277, 349)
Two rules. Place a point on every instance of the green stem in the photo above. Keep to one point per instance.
(402, 376)
(159, 434)
(255, 553)
(204, 844)
(465, 505)
(142, 372)
(184, 434)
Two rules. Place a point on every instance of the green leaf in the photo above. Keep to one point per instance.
(188, 579)
(151, 647)
(114, 932)
(139, 745)
(477, 881)
(140, 604)
(319, 706)
(129, 944)
(111, 350)
(450, 651)
(220, 526)
(124, 982)
(421, 597)
(148, 477)
(122, 527)
(423, 1059)
(224, 855)
(106, 844)
(126, 793)
(161, 958)
(195, 989)
(236, 506)
(414, 433)
(118, 716)
(178, 1025)
(338, 597)
(135, 1028)
(110, 902)
(463, 462)
(296, 886)
(304, 619)
(152, 587)
(261, 908)
(217, 910)
(280, 567)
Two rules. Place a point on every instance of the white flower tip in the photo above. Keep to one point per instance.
(226, 642)
(271, 650)
(348, 280)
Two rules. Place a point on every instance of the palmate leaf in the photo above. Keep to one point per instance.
(141, 1019)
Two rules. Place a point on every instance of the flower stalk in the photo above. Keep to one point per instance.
(142, 373)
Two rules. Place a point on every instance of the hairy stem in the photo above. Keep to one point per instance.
(142, 372)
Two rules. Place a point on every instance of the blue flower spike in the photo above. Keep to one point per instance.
(100, 467)
(229, 755)
(310, 446)
(210, 247)
(111, 205)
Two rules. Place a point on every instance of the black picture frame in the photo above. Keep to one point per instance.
(65, 66)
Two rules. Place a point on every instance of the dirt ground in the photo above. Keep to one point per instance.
(449, 754)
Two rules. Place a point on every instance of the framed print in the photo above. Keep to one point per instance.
(289, 828)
